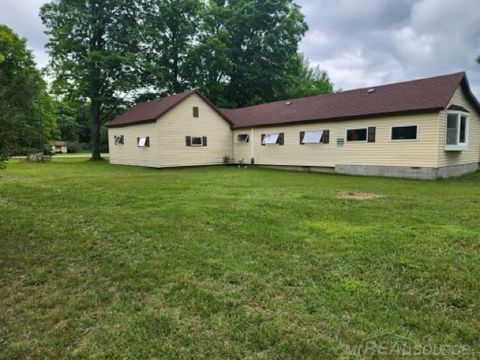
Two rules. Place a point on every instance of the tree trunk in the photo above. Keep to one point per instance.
(95, 130)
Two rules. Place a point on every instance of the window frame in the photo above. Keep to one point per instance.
(313, 131)
(269, 134)
(196, 137)
(118, 140)
(147, 142)
(356, 141)
(404, 125)
(243, 141)
(458, 146)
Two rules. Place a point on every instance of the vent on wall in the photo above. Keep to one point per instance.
(340, 141)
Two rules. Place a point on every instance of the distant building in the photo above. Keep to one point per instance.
(59, 147)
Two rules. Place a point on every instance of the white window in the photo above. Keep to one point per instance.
(197, 141)
(312, 137)
(143, 141)
(243, 138)
(457, 130)
(270, 138)
(407, 132)
(357, 134)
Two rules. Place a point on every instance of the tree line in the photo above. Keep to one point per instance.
(108, 54)
(111, 53)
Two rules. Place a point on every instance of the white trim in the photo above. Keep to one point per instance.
(355, 141)
(458, 146)
(252, 142)
(402, 125)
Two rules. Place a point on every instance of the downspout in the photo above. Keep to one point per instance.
(252, 146)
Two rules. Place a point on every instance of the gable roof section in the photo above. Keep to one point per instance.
(424, 95)
(415, 96)
(150, 111)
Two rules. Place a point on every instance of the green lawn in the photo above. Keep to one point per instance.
(102, 261)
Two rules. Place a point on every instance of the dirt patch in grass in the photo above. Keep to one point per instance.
(358, 195)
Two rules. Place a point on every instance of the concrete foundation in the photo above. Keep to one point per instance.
(322, 169)
(424, 173)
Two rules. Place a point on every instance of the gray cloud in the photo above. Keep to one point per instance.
(368, 42)
(22, 16)
(358, 42)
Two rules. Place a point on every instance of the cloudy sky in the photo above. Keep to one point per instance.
(358, 42)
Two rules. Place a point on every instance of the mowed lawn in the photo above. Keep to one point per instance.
(102, 261)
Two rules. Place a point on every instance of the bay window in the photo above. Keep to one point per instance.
(457, 131)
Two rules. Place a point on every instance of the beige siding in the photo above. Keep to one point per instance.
(167, 138)
(384, 152)
(472, 154)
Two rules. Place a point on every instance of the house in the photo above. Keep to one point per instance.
(59, 147)
(427, 128)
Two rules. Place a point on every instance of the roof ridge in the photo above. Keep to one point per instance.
(347, 91)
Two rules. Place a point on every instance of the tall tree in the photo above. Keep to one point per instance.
(27, 119)
(264, 42)
(93, 45)
(170, 34)
(247, 50)
(209, 63)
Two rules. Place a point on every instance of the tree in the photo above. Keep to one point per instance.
(67, 123)
(27, 119)
(307, 80)
(247, 50)
(264, 37)
(93, 46)
(209, 63)
(170, 33)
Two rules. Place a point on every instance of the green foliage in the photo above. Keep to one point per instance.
(264, 39)
(73, 120)
(240, 52)
(237, 53)
(170, 32)
(27, 120)
(107, 262)
(94, 53)
(307, 80)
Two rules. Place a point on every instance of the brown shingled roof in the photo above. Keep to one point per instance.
(424, 95)
(149, 111)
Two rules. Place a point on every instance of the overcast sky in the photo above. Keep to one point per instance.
(358, 42)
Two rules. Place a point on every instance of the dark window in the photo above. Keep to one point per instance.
(357, 135)
(452, 129)
(463, 129)
(196, 141)
(404, 132)
(242, 138)
(195, 111)
(118, 139)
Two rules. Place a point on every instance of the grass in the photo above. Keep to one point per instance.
(101, 261)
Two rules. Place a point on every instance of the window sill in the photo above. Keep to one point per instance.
(455, 147)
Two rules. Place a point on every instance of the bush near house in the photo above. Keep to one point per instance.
(101, 261)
